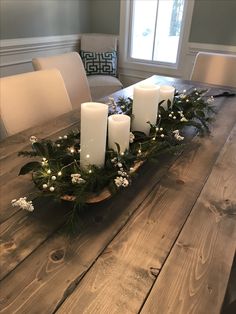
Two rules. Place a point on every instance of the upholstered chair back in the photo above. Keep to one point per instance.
(214, 68)
(101, 84)
(31, 98)
(72, 70)
(98, 42)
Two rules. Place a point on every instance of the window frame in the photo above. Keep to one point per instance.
(146, 66)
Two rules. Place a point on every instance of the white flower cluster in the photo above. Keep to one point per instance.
(177, 135)
(112, 103)
(76, 178)
(122, 173)
(23, 203)
(210, 100)
(122, 180)
(131, 137)
(33, 139)
(182, 96)
(183, 119)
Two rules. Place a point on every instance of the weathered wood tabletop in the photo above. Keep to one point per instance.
(164, 245)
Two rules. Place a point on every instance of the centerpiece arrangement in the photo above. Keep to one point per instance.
(93, 163)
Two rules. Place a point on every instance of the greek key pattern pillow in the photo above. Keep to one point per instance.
(104, 63)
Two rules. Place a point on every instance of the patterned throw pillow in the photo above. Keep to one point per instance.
(104, 63)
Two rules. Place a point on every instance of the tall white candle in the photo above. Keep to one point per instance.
(145, 107)
(118, 131)
(93, 134)
(166, 92)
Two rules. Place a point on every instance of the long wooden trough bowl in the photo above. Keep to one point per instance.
(93, 198)
(103, 195)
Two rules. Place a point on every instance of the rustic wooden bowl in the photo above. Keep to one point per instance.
(103, 195)
(93, 198)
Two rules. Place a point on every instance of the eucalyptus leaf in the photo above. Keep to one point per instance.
(30, 166)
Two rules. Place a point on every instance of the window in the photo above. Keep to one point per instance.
(155, 30)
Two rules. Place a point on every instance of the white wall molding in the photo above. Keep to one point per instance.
(194, 48)
(16, 54)
(9, 46)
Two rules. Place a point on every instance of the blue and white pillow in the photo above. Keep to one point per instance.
(103, 63)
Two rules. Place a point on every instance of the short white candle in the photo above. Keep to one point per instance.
(145, 107)
(118, 131)
(93, 134)
(166, 92)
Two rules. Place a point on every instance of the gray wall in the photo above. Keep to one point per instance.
(214, 22)
(33, 18)
(105, 16)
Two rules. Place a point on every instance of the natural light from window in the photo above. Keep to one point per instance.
(155, 30)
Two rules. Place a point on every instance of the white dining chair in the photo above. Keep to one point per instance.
(31, 98)
(72, 70)
(93, 46)
(215, 68)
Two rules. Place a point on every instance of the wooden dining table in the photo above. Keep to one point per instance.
(165, 244)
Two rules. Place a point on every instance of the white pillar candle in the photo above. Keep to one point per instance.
(93, 134)
(166, 92)
(145, 107)
(118, 131)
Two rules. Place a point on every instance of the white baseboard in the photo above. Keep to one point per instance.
(196, 47)
(16, 54)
